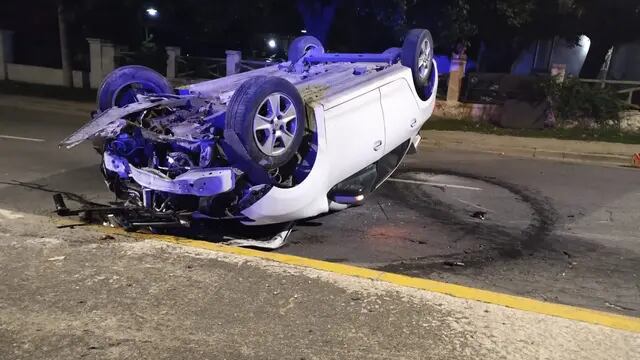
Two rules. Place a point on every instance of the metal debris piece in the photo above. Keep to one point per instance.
(61, 207)
(619, 307)
(479, 215)
(275, 242)
(70, 226)
(454, 263)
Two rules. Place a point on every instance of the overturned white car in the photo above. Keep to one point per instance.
(278, 144)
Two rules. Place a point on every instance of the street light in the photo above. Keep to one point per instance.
(303, 31)
(152, 12)
(272, 43)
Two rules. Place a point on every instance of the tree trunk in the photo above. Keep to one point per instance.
(67, 74)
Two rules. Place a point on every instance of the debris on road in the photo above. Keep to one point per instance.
(479, 215)
(276, 242)
(454, 263)
(56, 258)
(71, 226)
(618, 307)
(383, 212)
(133, 219)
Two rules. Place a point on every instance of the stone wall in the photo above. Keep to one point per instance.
(466, 111)
(630, 121)
(43, 75)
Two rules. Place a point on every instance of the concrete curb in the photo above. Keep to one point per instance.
(540, 148)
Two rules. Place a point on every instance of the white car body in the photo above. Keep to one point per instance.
(359, 118)
(273, 145)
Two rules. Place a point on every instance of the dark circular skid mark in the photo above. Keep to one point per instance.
(495, 240)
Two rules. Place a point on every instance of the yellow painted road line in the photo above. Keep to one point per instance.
(615, 321)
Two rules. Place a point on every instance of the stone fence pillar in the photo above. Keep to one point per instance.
(108, 58)
(102, 60)
(6, 52)
(173, 52)
(456, 74)
(233, 61)
(95, 62)
(559, 72)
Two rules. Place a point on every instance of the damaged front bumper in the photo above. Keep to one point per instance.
(197, 182)
(170, 154)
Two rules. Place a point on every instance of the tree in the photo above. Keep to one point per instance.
(354, 21)
(65, 55)
(606, 23)
(502, 27)
(317, 16)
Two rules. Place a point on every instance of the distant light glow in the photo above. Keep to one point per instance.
(153, 12)
(272, 43)
(585, 43)
(303, 31)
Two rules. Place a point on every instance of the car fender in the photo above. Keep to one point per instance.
(307, 199)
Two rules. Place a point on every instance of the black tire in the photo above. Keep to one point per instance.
(391, 50)
(246, 103)
(411, 56)
(396, 51)
(301, 45)
(121, 85)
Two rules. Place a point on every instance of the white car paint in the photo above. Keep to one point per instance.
(385, 107)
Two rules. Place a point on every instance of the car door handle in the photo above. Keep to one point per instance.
(377, 145)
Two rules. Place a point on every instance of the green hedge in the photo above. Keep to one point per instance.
(584, 103)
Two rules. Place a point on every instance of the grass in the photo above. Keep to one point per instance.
(47, 91)
(606, 135)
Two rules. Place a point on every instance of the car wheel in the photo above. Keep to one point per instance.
(302, 45)
(267, 113)
(417, 54)
(122, 85)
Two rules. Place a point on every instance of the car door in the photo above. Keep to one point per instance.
(400, 113)
(355, 134)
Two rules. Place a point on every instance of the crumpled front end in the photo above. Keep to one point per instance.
(169, 154)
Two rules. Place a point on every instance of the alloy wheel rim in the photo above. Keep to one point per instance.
(275, 125)
(424, 62)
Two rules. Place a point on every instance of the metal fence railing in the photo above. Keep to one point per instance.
(197, 67)
(630, 90)
(248, 65)
(124, 58)
(496, 88)
(156, 61)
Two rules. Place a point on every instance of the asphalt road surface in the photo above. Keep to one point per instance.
(566, 233)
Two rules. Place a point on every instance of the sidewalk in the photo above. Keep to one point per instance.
(71, 293)
(569, 150)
